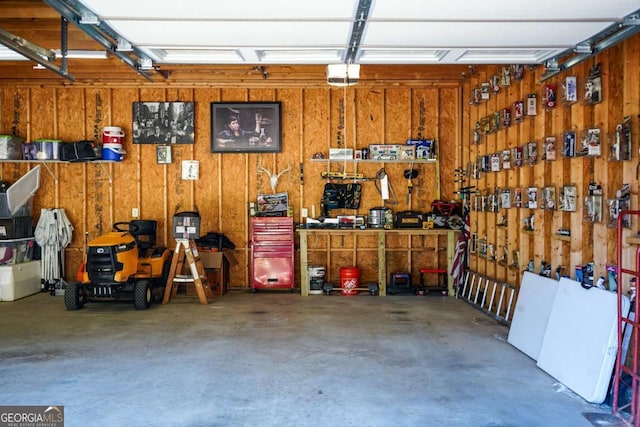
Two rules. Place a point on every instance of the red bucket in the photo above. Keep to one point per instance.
(112, 135)
(349, 280)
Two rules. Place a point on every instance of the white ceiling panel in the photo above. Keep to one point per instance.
(195, 56)
(223, 10)
(476, 34)
(501, 10)
(233, 34)
(504, 56)
(401, 56)
(308, 56)
(366, 31)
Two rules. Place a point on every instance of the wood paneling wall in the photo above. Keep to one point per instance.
(95, 195)
(589, 241)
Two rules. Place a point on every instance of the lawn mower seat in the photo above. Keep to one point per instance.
(144, 231)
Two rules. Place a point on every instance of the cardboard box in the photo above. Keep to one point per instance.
(384, 152)
(217, 265)
(425, 148)
(407, 152)
(273, 204)
(340, 153)
(213, 259)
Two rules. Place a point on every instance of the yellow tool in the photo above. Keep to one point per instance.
(342, 175)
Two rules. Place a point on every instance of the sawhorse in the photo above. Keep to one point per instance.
(187, 250)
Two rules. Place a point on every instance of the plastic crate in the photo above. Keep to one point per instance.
(16, 227)
(16, 251)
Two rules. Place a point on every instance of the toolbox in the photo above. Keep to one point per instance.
(272, 253)
(408, 219)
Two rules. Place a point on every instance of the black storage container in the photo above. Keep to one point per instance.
(186, 225)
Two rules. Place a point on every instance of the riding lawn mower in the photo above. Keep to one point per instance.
(121, 265)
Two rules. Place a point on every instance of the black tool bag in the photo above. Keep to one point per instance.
(81, 151)
(342, 196)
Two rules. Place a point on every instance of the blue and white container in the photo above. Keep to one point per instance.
(112, 152)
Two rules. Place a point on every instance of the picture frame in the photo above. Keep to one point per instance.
(246, 127)
(163, 122)
(190, 170)
(163, 154)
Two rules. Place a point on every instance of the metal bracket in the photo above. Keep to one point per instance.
(37, 54)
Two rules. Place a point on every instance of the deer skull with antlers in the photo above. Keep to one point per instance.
(273, 178)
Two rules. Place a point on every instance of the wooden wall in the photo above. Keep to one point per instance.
(589, 241)
(95, 195)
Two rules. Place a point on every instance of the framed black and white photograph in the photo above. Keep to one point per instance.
(163, 154)
(245, 127)
(163, 122)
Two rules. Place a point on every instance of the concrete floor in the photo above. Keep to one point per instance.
(276, 359)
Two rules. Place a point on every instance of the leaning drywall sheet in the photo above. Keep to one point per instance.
(580, 343)
(529, 323)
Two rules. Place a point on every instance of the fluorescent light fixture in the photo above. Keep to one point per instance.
(83, 54)
(343, 74)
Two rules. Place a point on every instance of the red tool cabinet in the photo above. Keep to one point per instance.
(272, 259)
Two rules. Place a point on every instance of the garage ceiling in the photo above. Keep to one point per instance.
(395, 31)
(260, 32)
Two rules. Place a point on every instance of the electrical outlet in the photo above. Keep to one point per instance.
(135, 212)
(305, 212)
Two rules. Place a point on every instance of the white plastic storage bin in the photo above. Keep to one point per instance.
(19, 281)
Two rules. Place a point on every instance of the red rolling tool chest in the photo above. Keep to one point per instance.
(272, 253)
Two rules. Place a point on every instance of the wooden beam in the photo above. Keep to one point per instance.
(27, 9)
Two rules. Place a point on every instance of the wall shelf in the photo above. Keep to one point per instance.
(563, 237)
(46, 163)
(415, 161)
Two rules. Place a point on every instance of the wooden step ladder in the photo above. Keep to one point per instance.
(186, 250)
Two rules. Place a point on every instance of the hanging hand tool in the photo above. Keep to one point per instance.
(384, 188)
(409, 174)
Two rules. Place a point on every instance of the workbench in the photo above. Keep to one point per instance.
(406, 243)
